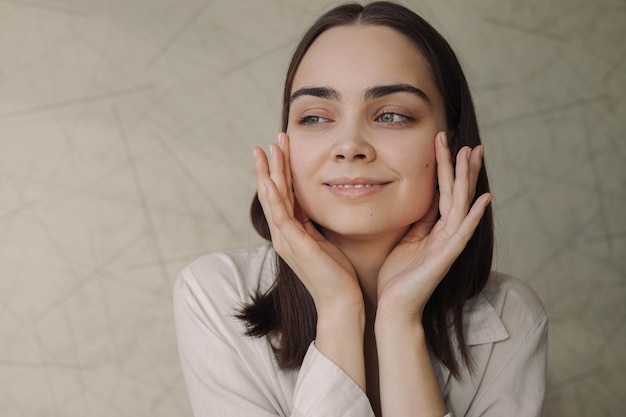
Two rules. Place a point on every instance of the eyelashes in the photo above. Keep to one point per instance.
(387, 118)
(311, 120)
(393, 118)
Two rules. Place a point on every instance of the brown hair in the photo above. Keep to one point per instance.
(287, 309)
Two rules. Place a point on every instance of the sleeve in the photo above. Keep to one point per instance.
(219, 379)
(228, 374)
(515, 379)
(323, 389)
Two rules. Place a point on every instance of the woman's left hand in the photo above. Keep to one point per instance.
(421, 259)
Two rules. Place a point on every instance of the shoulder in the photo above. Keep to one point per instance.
(506, 330)
(505, 310)
(224, 369)
(513, 300)
(226, 279)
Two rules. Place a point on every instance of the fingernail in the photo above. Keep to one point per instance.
(272, 150)
(280, 140)
(444, 139)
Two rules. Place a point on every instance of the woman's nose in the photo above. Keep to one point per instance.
(352, 145)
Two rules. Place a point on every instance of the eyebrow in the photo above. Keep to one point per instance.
(321, 92)
(370, 94)
(385, 90)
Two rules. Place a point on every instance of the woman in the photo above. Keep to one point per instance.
(375, 296)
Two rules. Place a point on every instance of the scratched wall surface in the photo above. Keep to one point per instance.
(126, 129)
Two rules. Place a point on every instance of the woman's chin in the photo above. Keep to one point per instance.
(361, 233)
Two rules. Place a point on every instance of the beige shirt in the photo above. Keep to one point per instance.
(230, 374)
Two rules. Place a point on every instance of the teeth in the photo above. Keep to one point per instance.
(351, 185)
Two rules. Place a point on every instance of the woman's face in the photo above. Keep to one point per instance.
(363, 117)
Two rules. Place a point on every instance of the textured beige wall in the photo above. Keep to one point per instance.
(126, 129)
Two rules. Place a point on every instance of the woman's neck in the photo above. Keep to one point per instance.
(367, 255)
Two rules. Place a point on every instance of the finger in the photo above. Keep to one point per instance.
(475, 164)
(460, 202)
(275, 204)
(266, 182)
(462, 176)
(288, 235)
(278, 173)
(283, 143)
(471, 221)
(261, 169)
(445, 172)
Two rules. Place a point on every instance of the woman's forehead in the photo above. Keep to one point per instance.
(358, 57)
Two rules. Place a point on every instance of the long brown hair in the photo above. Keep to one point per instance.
(287, 309)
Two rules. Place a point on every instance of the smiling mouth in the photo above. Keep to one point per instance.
(351, 185)
(356, 188)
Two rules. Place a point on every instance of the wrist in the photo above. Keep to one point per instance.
(391, 313)
(394, 305)
(341, 316)
(339, 337)
(398, 323)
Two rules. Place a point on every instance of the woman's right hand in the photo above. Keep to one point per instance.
(321, 266)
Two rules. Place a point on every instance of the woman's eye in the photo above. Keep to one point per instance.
(311, 120)
(392, 118)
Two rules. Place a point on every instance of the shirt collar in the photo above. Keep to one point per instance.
(482, 323)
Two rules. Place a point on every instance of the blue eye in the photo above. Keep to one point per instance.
(311, 120)
(392, 118)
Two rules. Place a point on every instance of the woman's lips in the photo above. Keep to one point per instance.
(356, 187)
(350, 185)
